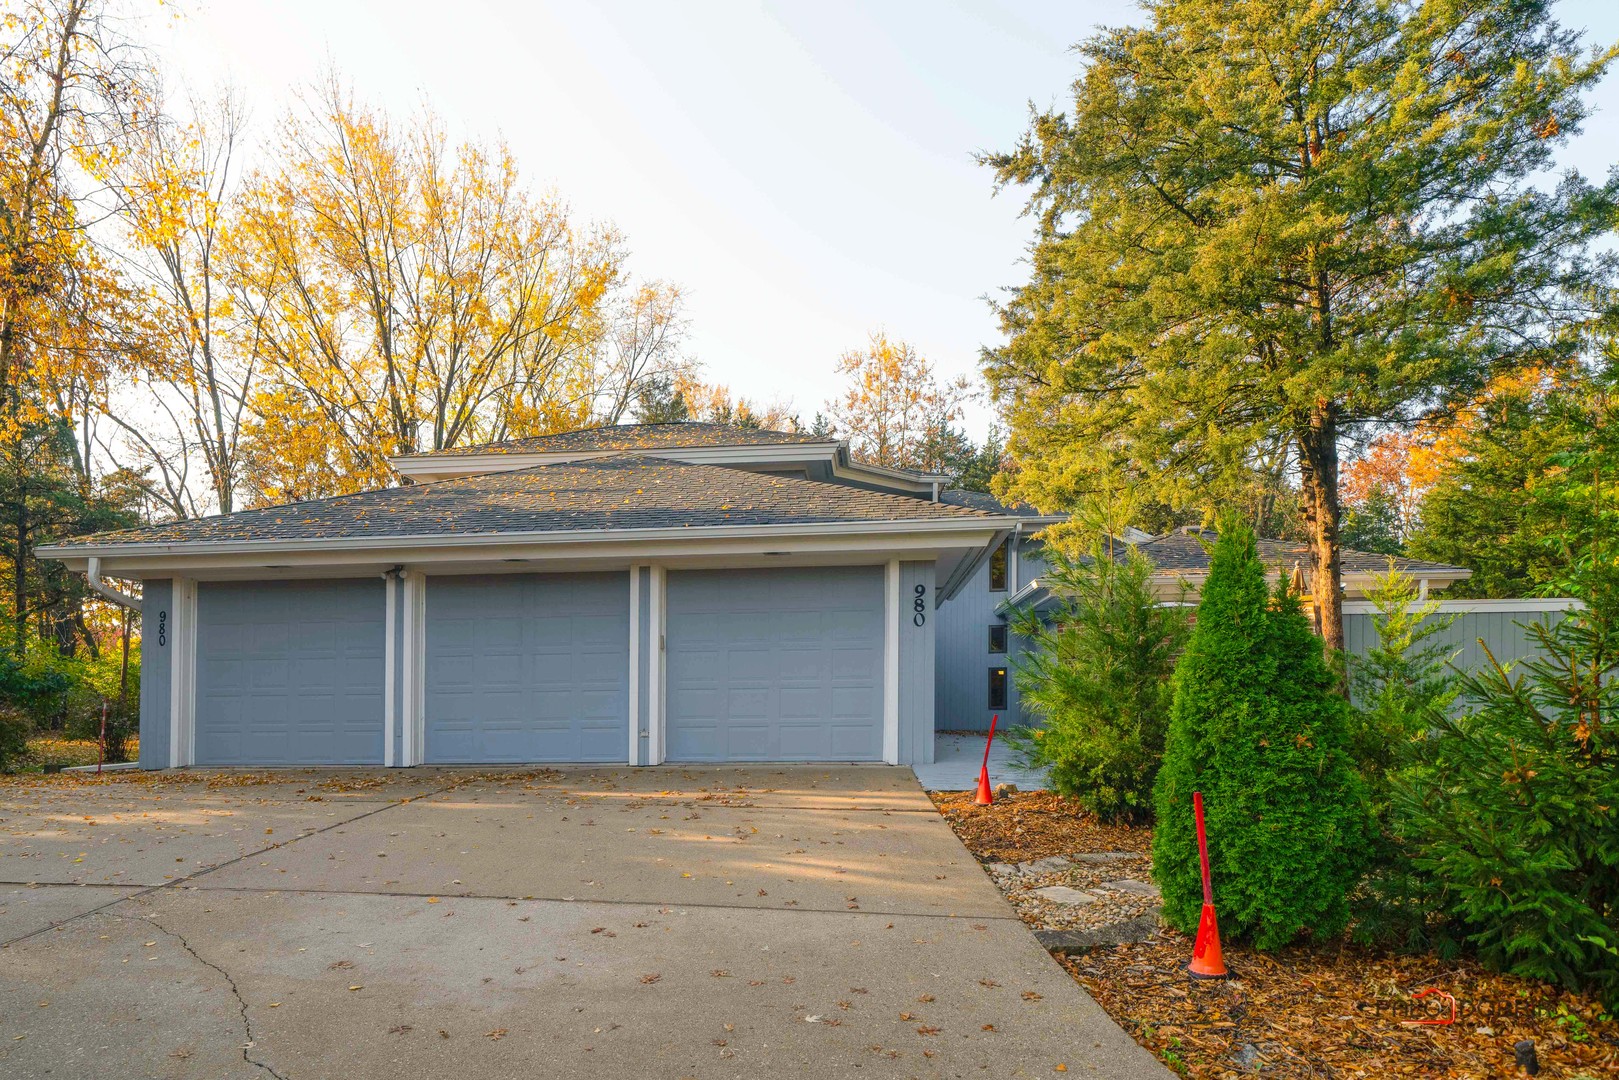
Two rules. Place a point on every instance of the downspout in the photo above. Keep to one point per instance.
(101, 588)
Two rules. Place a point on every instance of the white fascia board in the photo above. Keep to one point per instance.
(830, 537)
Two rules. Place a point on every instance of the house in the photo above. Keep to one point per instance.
(633, 594)
(978, 653)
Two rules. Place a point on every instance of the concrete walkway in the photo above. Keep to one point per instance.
(956, 762)
(721, 922)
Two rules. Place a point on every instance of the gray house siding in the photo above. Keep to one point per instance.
(289, 673)
(1502, 632)
(527, 668)
(157, 649)
(961, 677)
(775, 665)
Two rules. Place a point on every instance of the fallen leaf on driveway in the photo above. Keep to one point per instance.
(497, 1034)
(650, 979)
(352, 988)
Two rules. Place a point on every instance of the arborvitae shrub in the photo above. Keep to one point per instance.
(1259, 727)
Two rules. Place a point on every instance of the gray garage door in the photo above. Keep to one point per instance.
(776, 665)
(289, 673)
(528, 667)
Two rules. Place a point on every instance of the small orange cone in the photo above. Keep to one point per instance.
(1207, 962)
(985, 797)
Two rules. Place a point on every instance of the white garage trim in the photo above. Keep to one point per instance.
(891, 662)
(415, 663)
(183, 675)
(390, 643)
(655, 666)
(635, 665)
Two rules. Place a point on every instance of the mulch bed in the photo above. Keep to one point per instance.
(1306, 1011)
(1032, 825)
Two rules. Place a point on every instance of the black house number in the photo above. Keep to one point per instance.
(162, 628)
(920, 606)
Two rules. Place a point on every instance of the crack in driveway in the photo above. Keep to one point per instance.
(236, 992)
(205, 871)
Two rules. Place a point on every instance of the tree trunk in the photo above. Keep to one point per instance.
(1318, 467)
(19, 572)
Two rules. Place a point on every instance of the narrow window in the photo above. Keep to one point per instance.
(997, 688)
(997, 637)
(997, 568)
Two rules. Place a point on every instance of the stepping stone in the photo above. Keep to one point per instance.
(1127, 932)
(1131, 885)
(1104, 856)
(1062, 894)
(1051, 864)
(1002, 869)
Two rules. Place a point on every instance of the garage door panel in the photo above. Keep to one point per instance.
(775, 665)
(528, 668)
(289, 673)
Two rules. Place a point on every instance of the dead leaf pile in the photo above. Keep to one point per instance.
(1306, 1011)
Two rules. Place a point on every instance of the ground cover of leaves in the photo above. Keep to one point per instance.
(50, 752)
(1305, 1011)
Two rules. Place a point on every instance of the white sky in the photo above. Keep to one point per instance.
(802, 169)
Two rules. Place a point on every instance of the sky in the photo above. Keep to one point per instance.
(803, 170)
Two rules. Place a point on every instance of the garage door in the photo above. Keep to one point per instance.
(775, 665)
(289, 673)
(527, 668)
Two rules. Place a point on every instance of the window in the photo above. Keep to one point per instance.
(997, 637)
(997, 688)
(997, 568)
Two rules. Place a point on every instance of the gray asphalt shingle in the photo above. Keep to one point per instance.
(620, 492)
(638, 437)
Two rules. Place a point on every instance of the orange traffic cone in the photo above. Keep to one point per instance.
(1207, 963)
(984, 797)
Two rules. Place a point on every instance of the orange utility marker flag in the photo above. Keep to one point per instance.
(1207, 963)
(985, 798)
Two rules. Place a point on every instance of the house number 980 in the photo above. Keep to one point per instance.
(162, 628)
(920, 606)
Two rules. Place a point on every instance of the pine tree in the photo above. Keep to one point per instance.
(1257, 726)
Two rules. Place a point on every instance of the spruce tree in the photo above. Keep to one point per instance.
(1258, 726)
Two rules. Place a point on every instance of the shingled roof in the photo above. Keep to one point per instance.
(1181, 552)
(620, 492)
(979, 500)
(638, 437)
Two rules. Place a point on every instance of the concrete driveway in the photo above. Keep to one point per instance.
(672, 922)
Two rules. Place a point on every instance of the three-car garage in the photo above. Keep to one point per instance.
(518, 668)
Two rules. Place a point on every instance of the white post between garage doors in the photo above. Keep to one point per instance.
(634, 704)
(183, 675)
(413, 664)
(390, 646)
(657, 613)
(891, 614)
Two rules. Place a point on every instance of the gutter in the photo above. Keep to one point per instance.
(99, 585)
(484, 539)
